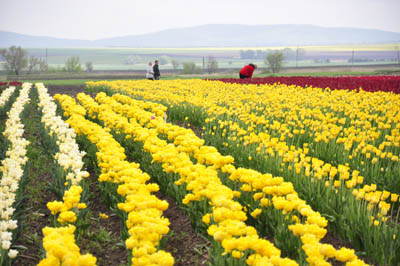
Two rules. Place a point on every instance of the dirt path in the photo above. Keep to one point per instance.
(35, 213)
(187, 247)
(71, 90)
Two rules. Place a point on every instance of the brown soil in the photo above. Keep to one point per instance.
(38, 216)
(103, 238)
(197, 130)
(337, 243)
(187, 247)
(182, 242)
(70, 90)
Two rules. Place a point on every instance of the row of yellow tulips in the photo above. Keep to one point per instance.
(145, 222)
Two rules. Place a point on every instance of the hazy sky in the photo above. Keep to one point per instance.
(94, 19)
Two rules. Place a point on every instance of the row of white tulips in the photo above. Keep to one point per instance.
(12, 169)
(70, 158)
(5, 95)
(69, 155)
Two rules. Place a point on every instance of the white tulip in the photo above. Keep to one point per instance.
(6, 236)
(3, 226)
(12, 253)
(69, 156)
(12, 224)
(5, 244)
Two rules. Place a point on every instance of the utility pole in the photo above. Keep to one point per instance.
(297, 54)
(47, 63)
(352, 58)
(203, 63)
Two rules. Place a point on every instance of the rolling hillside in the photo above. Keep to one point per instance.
(219, 35)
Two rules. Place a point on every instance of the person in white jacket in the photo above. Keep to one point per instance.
(150, 72)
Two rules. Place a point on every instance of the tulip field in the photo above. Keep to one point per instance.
(367, 83)
(280, 171)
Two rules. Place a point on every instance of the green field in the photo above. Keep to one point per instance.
(227, 57)
(62, 82)
(78, 82)
(222, 63)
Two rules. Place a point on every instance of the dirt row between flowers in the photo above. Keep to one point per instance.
(35, 214)
(71, 90)
(99, 238)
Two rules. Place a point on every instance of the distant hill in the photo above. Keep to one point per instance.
(218, 35)
(10, 38)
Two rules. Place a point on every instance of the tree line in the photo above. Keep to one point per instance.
(288, 53)
(273, 60)
(17, 59)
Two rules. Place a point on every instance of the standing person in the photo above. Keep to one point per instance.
(150, 72)
(247, 71)
(156, 70)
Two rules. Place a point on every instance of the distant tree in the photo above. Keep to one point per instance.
(175, 64)
(247, 54)
(191, 68)
(73, 64)
(16, 59)
(274, 61)
(164, 60)
(212, 65)
(322, 61)
(33, 62)
(260, 54)
(89, 66)
(43, 66)
(289, 54)
(55, 69)
(133, 59)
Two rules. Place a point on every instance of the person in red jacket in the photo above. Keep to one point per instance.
(247, 71)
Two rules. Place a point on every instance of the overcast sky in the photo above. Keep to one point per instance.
(95, 19)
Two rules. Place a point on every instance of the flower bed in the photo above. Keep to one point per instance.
(367, 83)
